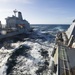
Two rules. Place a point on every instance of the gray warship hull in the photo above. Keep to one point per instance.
(22, 31)
(14, 26)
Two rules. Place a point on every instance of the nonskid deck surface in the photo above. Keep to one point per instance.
(64, 60)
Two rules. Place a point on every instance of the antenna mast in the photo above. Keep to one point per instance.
(15, 11)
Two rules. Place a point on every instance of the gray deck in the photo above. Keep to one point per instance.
(66, 59)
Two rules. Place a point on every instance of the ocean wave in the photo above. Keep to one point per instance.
(59, 28)
(34, 60)
(31, 55)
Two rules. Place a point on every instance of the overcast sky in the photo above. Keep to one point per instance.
(40, 11)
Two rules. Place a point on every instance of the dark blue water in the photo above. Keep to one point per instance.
(52, 29)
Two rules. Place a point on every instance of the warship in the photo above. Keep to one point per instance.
(65, 42)
(14, 25)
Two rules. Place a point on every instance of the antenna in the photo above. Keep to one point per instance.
(15, 11)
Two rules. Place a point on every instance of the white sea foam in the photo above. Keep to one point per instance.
(30, 64)
(59, 28)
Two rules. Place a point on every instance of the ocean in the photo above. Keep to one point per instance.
(32, 55)
(50, 28)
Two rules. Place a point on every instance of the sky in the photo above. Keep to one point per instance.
(40, 11)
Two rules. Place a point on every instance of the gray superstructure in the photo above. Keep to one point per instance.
(14, 25)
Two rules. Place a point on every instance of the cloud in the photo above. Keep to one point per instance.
(15, 1)
(5, 10)
(5, 13)
(24, 1)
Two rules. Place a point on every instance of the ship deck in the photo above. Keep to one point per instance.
(66, 60)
